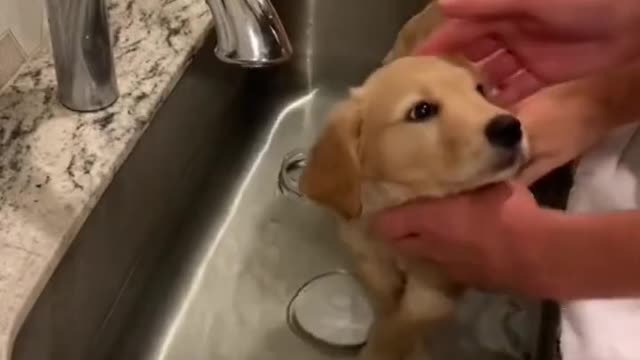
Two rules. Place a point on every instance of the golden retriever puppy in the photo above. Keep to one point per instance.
(421, 127)
(417, 127)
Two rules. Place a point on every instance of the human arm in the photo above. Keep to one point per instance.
(498, 237)
(588, 255)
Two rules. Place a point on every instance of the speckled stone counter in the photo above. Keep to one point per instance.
(55, 164)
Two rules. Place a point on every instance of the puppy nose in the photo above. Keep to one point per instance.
(504, 131)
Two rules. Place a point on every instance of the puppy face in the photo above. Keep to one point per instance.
(419, 122)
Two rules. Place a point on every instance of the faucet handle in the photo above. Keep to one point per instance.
(249, 33)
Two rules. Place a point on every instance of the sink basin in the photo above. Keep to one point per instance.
(201, 241)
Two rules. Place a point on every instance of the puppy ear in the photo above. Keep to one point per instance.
(332, 174)
(414, 31)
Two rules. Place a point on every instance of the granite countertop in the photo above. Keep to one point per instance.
(55, 163)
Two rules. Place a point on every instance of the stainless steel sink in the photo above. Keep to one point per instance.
(202, 239)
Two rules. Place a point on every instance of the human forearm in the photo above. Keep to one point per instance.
(586, 256)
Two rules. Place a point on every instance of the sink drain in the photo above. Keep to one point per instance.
(290, 171)
(331, 310)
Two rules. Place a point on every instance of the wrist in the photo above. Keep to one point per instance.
(534, 259)
(578, 256)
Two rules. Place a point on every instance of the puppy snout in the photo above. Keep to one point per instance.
(504, 131)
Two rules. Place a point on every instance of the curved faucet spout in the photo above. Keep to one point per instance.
(249, 33)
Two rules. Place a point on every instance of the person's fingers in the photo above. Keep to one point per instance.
(517, 87)
(535, 171)
(531, 173)
(496, 193)
(482, 48)
(500, 67)
(441, 253)
(415, 246)
(401, 222)
(441, 257)
(395, 223)
(464, 273)
(481, 8)
(447, 259)
(456, 36)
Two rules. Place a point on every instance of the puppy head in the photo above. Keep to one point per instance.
(419, 122)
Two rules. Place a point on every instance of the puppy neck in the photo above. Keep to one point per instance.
(377, 195)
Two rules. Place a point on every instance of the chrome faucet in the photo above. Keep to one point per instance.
(249, 33)
(82, 54)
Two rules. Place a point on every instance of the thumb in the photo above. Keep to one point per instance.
(482, 9)
(534, 171)
(401, 222)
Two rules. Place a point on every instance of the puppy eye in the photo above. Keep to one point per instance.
(423, 111)
(480, 89)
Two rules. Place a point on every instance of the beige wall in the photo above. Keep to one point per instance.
(21, 34)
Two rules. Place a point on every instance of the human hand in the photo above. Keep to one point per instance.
(562, 122)
(482, 238)
(525, 45)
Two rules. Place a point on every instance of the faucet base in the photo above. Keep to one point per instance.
(89, 108)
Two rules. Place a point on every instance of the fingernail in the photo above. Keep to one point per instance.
(493, 92)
